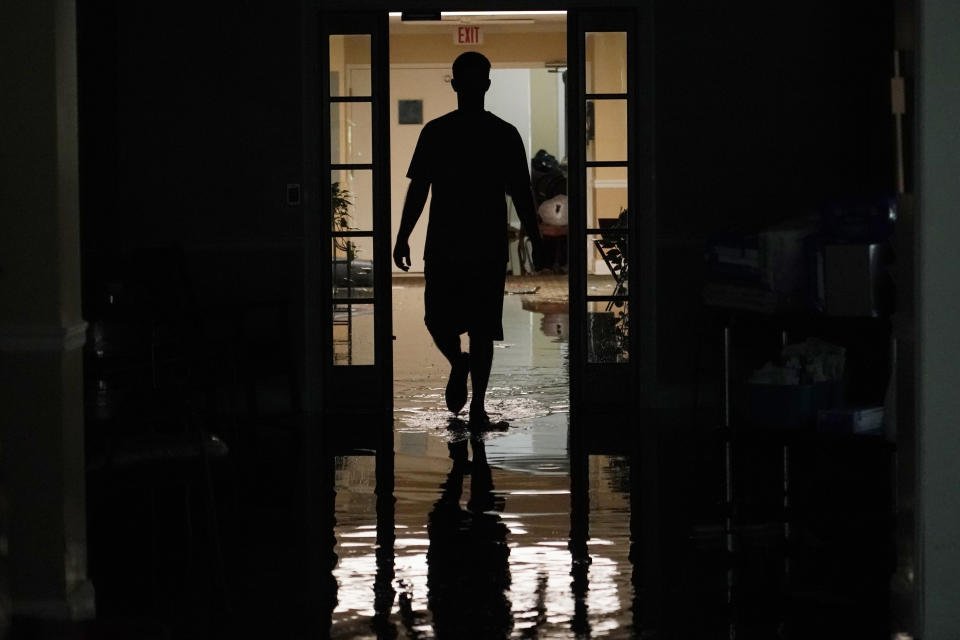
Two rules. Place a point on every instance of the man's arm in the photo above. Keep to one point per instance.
(523, 201)
(412, 208)
(521, 192)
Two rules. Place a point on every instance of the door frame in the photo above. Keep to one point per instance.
(618, 389)
(345, 390)
(641, 372)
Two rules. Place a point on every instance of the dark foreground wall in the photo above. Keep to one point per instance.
(195, 115)
(190, 124)
(763, 111)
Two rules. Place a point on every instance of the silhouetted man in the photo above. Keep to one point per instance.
(470, 158)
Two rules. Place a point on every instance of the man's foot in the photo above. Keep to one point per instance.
(456, 393)
(480, 421)
(478, 416)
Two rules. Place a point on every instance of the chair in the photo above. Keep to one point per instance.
(612, 247)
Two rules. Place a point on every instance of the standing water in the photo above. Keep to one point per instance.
(622, 531)
(482, 523)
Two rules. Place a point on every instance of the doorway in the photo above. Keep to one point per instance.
(599, 98)
(399, 514)
(528, 57)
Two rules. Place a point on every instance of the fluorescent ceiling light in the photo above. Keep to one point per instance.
(504, 13)
(397, 14)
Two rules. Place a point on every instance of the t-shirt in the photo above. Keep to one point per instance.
(470, 159)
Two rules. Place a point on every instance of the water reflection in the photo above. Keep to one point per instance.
(553, 529)
(555, 320)
(452, 544)
(483, 551)
(487, 544)
(468, 572)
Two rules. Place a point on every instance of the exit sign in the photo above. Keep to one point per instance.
(468, 35)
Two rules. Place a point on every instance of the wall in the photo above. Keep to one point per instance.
(509, 98)
(430, 84)
(502, 49)
(544, 113)
(938, 163)
(190, 130)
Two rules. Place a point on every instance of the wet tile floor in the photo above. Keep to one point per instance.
(529, 380)
(513, 534)
(554, 527)
(500, 520)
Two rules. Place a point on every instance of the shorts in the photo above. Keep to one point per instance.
(464, 298)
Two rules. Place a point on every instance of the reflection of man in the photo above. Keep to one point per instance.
(470, 158)
(468, 571)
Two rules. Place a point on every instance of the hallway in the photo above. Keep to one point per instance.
(115, 140)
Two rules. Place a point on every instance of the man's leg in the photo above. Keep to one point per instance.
(449, 345)
(439, 289)
(481, 361)
(456, 391)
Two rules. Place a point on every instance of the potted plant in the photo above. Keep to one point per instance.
(340, 203)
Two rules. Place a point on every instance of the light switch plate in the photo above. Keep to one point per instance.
(293, 194)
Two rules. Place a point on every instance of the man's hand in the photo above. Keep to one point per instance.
(412, 207)
(401, 254)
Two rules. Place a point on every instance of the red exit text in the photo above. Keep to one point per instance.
(468, 35)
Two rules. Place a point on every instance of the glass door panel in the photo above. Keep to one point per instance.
(605, 54)
(351, 194)
(350, 64)
(602, 98)
(352, 265)
(351, 155)
(350, 127)
(353, 334)
(606, 103)
(358, 369)
(606, 128)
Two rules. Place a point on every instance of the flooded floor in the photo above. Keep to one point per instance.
(529, 379)
(482, 523)
(515, 533)
(550, 526)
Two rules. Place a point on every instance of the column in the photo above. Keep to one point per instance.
(41, 329)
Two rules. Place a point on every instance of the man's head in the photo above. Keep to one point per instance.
(471, 73)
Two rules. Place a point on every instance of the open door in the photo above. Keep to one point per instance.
(606, 210)
(354, 251)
